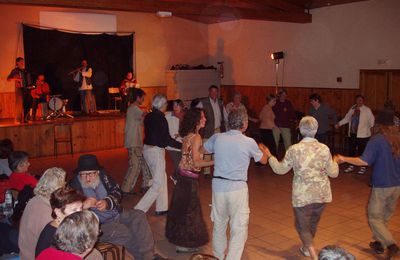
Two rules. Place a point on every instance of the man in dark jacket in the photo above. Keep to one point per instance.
(127, 228)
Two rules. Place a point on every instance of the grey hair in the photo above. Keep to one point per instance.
(51, 180)
(308, 126)
(334, 253)
(237, 94)
(159, 100)
(237, 119)
(77, 232)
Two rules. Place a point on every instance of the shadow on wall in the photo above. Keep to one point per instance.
(227, 79)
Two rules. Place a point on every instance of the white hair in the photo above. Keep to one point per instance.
(308, 126)
(51, 180)
(159, 101)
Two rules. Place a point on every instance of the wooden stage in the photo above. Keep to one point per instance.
(104, 130)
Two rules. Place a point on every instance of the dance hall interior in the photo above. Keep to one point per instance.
(199, 129)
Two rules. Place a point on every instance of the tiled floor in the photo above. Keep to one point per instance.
(271, 231)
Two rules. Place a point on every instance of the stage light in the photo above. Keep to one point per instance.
(277, 55)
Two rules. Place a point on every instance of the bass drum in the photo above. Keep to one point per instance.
(55, 103)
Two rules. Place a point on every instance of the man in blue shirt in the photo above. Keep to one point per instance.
(383, 152)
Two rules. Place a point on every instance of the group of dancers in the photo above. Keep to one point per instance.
(202, 132)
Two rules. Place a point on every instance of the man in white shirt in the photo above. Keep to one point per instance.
(84, 78)
(230, 198)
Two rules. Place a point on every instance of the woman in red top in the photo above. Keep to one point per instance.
(20, 177)
(21, 180)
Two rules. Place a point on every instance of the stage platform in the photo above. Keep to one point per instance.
(101, 131)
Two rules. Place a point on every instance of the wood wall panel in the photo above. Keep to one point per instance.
(88, 135)
(7, 105)
(374, 87)
(255, 97)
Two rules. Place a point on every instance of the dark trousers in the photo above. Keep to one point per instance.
(176, 159)
(357, 145)
(35, 104)
(23, 103)
(267, 138)
(132, 231)
(322, 138)
(306, 221)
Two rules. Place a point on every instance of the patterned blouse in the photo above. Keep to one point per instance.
(187, 162)
(312, 164)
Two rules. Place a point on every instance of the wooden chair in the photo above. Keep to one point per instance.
(108, 248)
(115, 96)
(63, 134)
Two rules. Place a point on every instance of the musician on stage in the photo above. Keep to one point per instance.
(129, 82)
(40, 96)
(23, 98)
(83, 76)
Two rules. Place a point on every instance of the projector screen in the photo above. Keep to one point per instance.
(80, 22)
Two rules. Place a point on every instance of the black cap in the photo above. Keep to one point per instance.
(88, 162)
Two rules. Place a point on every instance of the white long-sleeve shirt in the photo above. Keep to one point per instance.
(87, 74)
(367, 121)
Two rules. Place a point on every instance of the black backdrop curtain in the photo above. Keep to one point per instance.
(55, 54)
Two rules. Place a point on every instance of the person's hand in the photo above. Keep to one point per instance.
(277, 129)
(338, 158)
(101, 205)
(89, 203)
(337, 126)
(264, 149)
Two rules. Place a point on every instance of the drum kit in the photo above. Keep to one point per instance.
(58, 106)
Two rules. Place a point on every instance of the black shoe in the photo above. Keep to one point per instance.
(377, 247)
(160, 213)
(393, 249)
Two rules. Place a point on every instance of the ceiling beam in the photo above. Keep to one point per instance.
(178, 8)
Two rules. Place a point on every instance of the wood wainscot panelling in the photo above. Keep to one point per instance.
(378, 86)
(7, 104)
(254, 97)
(88, 134)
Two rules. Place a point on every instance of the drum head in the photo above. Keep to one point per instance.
(55, 103)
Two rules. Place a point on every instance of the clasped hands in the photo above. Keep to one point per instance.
(264, 149)
(94, 203)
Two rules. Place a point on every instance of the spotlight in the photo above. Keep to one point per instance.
(277, 55)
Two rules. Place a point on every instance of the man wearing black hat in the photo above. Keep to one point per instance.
(128, 228)
(383, 152)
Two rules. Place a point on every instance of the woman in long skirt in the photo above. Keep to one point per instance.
(186, 227)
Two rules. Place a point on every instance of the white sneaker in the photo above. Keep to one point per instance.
(349, 169)
(362, 170)
(304, 251)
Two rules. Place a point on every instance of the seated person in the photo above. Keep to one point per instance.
(21, 180)
(40, 96)
(20, 177)
(38, 211)
(128, 228)
(74, 238)
(64, 202)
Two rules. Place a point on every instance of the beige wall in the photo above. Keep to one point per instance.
(339, 42)
(160, 43)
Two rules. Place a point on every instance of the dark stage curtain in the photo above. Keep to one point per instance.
(55, 54)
